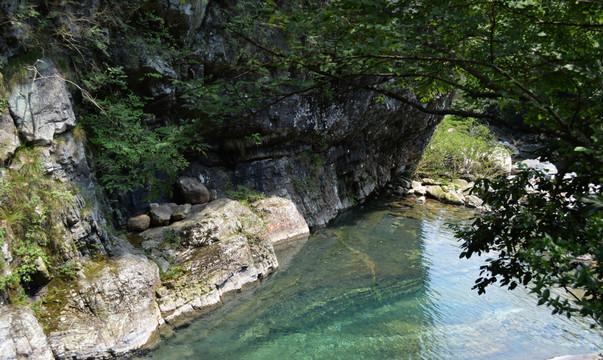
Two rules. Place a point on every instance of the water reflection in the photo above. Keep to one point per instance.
(383, 282)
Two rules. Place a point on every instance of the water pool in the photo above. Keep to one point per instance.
(381, 282)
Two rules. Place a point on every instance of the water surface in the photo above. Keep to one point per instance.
(382, 282)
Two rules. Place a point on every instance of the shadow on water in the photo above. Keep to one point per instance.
(381, 282)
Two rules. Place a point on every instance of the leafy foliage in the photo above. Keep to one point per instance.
(129, 153)
(541, 238)
(460, 145)
(540, 60)
(31, 203)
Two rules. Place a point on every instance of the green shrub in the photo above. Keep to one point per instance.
(31, 204)
(128, 153)
(245, 195)
(459, 145)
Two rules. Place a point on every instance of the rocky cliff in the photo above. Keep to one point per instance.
(96, 295)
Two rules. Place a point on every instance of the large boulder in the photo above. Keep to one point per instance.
(283, 220)
(221, 248)
(21, 336)
(109, 313)
(193, 191)
(41, 105)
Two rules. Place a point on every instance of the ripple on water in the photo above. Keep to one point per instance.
(382, 282)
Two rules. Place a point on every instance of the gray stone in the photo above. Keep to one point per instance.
(282, 219)
(9, 137)
(405, 183)
(445, 194)
(421, 200)
(501, 157)
(113, 314)
(21, 336)
(468, 177)
(226, 246)
(213, 194)
(139, 223)
(473, 201)
(41, 107)
(193, 190)
(418, 188)
(181, 212)
(160, 213)
(544, 167)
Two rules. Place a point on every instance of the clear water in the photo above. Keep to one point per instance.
(382, 282)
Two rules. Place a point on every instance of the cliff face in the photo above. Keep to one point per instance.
(325, 154)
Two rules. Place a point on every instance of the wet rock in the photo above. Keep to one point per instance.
(181, 212)
(113, 313)
(421, 200)
(193, 190)
(139, 223)
(41, 107)
(21, 336)
(282, 219)
(160, 213)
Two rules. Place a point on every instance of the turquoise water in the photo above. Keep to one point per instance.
(382, 282)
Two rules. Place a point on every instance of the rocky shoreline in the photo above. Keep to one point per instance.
(117, 306)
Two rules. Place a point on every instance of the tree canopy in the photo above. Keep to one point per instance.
(538, 61)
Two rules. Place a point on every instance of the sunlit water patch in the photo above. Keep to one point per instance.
(381, 282)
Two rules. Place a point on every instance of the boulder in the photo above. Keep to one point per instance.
(473, 201)
(181, 212)
(109, 313)
(225, 246)
(445, 194)
(418, 188)
(21, 336)
(501, 157)
(283, 220)
(41, 106)
(543, 167)
(161, 213)
(139, 223)
(193, 190)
